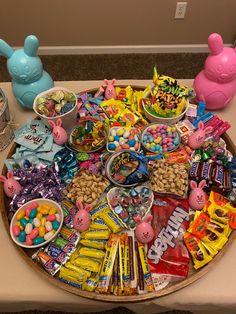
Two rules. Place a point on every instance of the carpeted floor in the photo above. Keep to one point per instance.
(129, 66)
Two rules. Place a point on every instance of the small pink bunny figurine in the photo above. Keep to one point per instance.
(10, 185)
(216, 84)
(197, 197)
(144, 231)
(60, 136)
(82, 219)
(110, 89)
(197, 139)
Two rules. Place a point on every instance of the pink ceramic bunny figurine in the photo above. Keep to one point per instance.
(110, 89)
(197, 197)
(197, 139)
(144, 231)
(82, 219)
(60, 136)
(10, 185)
(216, 84)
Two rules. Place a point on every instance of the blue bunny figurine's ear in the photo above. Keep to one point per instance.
(31, 45)
(5, 49)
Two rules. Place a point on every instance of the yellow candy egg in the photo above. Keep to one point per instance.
(173, 129)
(27, 218)
(52, 211)
(111, 139)
(157, 140)
(120, 132)
(44, 211)
(20, 215)
(42, 231)
(39, 216)
(148, 145)
(43, 221)
(19, 224)
(168, 129)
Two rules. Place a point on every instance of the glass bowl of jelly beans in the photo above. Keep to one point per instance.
(36, 223)
(57, 102)
(120, 138)
(160, 138)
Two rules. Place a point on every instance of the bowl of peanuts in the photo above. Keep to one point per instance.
(87, 187)
(36, 223)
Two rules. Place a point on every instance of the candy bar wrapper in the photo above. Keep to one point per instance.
(70, 235)
(111, 220)
(88, 264)
(47, 145)
(96, 244)
(30, 141)
(132, 263)
(69, 207)
(94, 234)
(201, 253)
(93, 253)
(78, 270)
(65, 245)
(128, 116)
(70, 281)
(124, 94)
(139, 272)
(108, 263)
(72, 275)
(46, 261)
(113, 108)
(98, 223)
(91, 283)
(67, 218)
(38, 127)
(49, 155)
(126, 268)
(213, 233)
(56, 253)
(145, 268)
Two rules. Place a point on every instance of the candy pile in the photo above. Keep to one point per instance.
(36, 223)
(56, 103)
(160, 138)
(155, 199)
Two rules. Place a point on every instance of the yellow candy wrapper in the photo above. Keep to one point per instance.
(88, 264)
(98, 224)
(127, 116)
(77, 269)
(108, 263)
(93, 253)
(96, 234)
(113, 108)
(145, 268)
(91, 283)
(124, 94)
(110, 219)
(71, 274)
(96, 244)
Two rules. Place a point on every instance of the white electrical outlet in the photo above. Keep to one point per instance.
(180, 10)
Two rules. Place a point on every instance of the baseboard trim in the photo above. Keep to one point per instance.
(85, 50)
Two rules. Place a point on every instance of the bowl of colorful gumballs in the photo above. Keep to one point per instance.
(160, 138)
(120, 138)
(36, 223)
(57, 102)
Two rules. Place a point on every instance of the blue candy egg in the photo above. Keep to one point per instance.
(157, 146)
(55, 224)
(116, 138)
(111, 146)
(33, 213)
(153, 148)
(22, 236)
(145, 137)
(131, 143)
(23, 222)
(38, 240)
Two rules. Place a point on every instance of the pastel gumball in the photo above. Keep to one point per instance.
(16, 230)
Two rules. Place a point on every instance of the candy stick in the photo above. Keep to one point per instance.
(205, 118)
(145, 267)
(99, 92)
(140, 270)
(131, 257)
(221, 130)
(133, 280)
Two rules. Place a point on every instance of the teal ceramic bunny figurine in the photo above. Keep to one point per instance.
(26, 69)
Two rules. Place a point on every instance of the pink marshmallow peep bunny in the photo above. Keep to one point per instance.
(10, 185)
(144, 231)
(82, 219)
(197, 139)
(60, 136)
(216, 83)
(197, 197)
(110, 89)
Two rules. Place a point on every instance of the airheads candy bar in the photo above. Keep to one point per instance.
(166, 253)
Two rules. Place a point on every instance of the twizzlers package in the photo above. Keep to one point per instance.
(167, 253)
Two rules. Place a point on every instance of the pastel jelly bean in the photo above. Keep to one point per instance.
(48, 235)
(27, 211)
(39, 215)
(33, 213)
(43, 221)
(58, 217)
(20, 214)
(16, 230)
(28, 228)
(48, 225)
(52, 211)
(34, 233)
(22, 236)
(38, 240)
(23, 222)
(36, 222)
(42, 230)
(19, 225)
(28, 240)
(51, 217)
(55, 224)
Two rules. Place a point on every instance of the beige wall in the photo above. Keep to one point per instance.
(110, 22)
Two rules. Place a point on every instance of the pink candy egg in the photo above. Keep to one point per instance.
(136, 146)
(34, 233)
(16, 230)
(28, 240)
(125, 146)
(118, 148)
(51, 217)
(27, 211)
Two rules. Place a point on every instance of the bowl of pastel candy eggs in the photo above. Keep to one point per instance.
(36, 223)
(120, 138)
(160, 138)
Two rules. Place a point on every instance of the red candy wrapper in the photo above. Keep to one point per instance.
(167, 254)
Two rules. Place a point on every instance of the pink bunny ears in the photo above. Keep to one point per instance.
(9, 176)
(112, 82)
(139, 220)
(215, 44)
(53, 124)
(208, 129)
(80, 206)
(201, 184)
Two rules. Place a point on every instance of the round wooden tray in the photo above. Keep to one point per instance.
(172, 287)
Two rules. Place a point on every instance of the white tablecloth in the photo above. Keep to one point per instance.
(21, 288)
